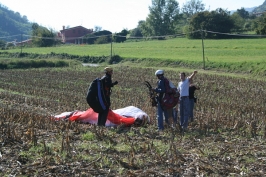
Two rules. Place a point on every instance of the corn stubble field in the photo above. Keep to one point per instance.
(226, 139)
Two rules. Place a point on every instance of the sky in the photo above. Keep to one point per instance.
(111, 15)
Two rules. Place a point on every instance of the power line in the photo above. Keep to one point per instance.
(134, 37)
(229, 34)
(10, 36)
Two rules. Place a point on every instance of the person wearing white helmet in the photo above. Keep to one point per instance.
(160, 89)
(159, 72)
(107, 84)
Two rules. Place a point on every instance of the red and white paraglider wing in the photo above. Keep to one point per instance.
(126, 116)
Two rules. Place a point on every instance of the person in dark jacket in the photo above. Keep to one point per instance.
(106, 86)
(192, 99)
(160, 89)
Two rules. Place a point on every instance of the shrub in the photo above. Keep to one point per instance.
(114, 59)
(101, 40)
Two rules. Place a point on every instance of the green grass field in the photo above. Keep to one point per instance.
(244, 55)
(233, 50)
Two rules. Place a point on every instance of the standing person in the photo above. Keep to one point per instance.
(192, 99)
(107, 84)
(183, 88)
(160, 89)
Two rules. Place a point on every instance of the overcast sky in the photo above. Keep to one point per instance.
(112, 15)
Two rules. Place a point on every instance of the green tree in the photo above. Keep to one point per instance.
(101, 40)
(248, 25)
(217, 21)
(192, 7)
(42, 37)
(35, 27)
(243, 13)
(189, 9)
(239, 21)
(260, 25)
(120, 37)
(161, 19)
(2, 44)
(91, 38)
(136, 32)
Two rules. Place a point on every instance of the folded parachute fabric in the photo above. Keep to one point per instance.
(64, 115)
(132, 111)
(127, 116)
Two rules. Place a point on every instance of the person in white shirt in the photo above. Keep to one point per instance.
(183, 88)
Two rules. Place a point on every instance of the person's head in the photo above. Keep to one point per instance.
(159, 73)
(108, 70)
(182, 76)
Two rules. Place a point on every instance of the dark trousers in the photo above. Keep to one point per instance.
(102, 117)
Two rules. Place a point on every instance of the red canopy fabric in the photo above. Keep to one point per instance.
(92, 117)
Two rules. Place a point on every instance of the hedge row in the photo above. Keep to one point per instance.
(84, 59)
(32, 64)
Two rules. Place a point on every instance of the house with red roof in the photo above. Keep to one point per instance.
(74, 35)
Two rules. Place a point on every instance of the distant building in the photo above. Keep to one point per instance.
(258, 13)
(28, 41)
(74, 35)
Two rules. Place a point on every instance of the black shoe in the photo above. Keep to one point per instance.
(180, 128)
(182, 131)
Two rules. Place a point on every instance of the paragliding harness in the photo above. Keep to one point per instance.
(152, 94)
(95, 96)
(171, 96)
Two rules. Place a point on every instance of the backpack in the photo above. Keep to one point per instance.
(95, 96)
(171, 96)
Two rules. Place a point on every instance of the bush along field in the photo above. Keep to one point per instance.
(227, 137)
(29, 60)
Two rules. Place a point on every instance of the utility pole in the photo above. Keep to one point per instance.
(21, 45)
(203, 49)
(111, 47)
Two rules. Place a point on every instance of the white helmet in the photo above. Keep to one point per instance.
(159, 72)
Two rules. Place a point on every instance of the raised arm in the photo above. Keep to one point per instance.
(192, 75)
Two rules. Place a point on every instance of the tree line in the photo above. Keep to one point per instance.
(167, 18)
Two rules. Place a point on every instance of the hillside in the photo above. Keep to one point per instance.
(12, 23)
(250, 9)
(260, 8)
